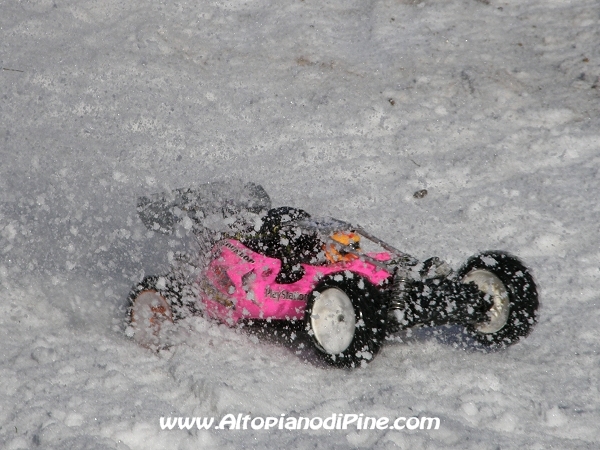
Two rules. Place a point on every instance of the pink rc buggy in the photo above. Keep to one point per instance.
(257, 263)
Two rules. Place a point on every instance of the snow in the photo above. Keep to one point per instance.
(343, 109)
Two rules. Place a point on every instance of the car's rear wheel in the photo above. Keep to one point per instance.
(346, 320)
(150, 311)
(333, 320)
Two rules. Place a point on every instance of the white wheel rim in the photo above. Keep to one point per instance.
(150, 310)
(333, 320)
(491, 285)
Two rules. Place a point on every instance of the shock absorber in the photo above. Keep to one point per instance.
(397, 319)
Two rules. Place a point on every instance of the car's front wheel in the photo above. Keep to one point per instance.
(512, 289)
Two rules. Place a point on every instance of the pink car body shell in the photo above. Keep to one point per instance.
(240, 283)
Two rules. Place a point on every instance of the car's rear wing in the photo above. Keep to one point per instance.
(191, 207)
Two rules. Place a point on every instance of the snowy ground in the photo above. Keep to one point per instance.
(344, 108)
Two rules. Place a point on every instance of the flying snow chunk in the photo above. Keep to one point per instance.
(489, 261)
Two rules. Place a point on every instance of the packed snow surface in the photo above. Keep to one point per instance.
(343, 108)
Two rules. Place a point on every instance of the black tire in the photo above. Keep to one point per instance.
(160, 284)
(364, 322)
(520, 290)
(150, 306)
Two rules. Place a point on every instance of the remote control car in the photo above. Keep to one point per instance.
(257, 263)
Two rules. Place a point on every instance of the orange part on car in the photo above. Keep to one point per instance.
(335, 251)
